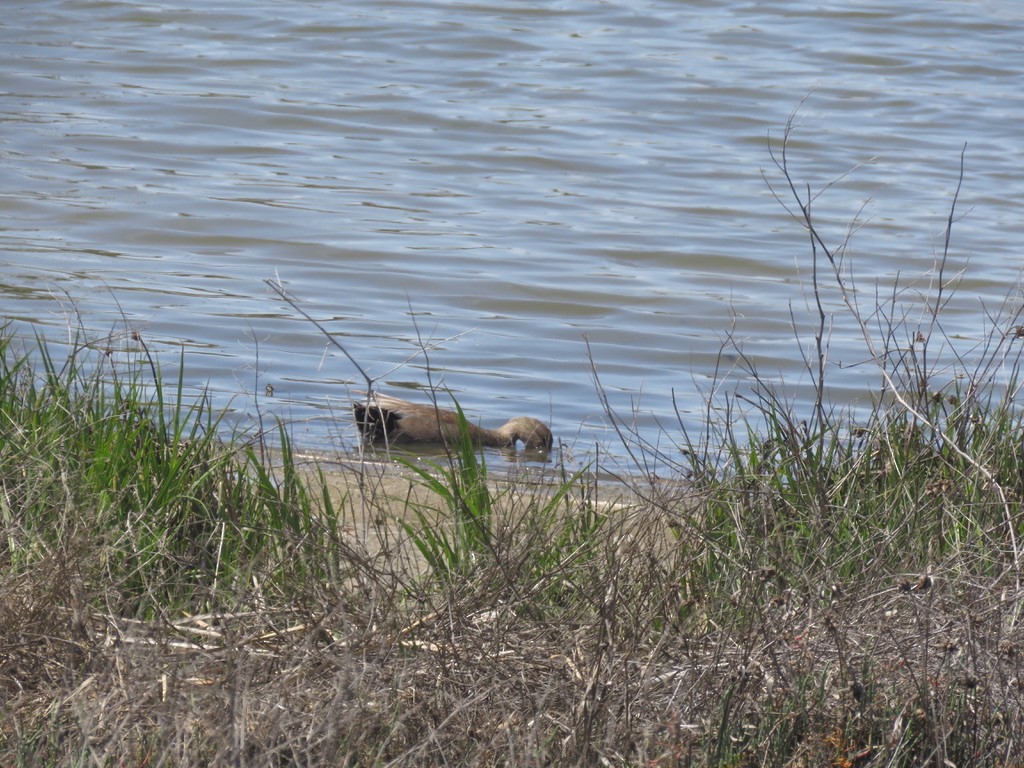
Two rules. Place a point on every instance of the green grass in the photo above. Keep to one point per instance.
(470, 501)
(469, 504)
(97, 457)
(166, 592)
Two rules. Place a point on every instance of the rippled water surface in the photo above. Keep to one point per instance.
(497, 184)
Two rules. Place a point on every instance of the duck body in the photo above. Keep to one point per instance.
(390, 420)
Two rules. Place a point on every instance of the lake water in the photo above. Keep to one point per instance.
(497, 184)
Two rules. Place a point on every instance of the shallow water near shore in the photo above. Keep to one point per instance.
(502, 203)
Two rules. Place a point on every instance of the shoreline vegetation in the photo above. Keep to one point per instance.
(814, 587)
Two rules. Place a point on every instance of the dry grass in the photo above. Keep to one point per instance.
(612, 657)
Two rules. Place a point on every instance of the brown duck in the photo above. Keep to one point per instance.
(391, 420)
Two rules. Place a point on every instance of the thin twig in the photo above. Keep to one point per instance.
(851, 304)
